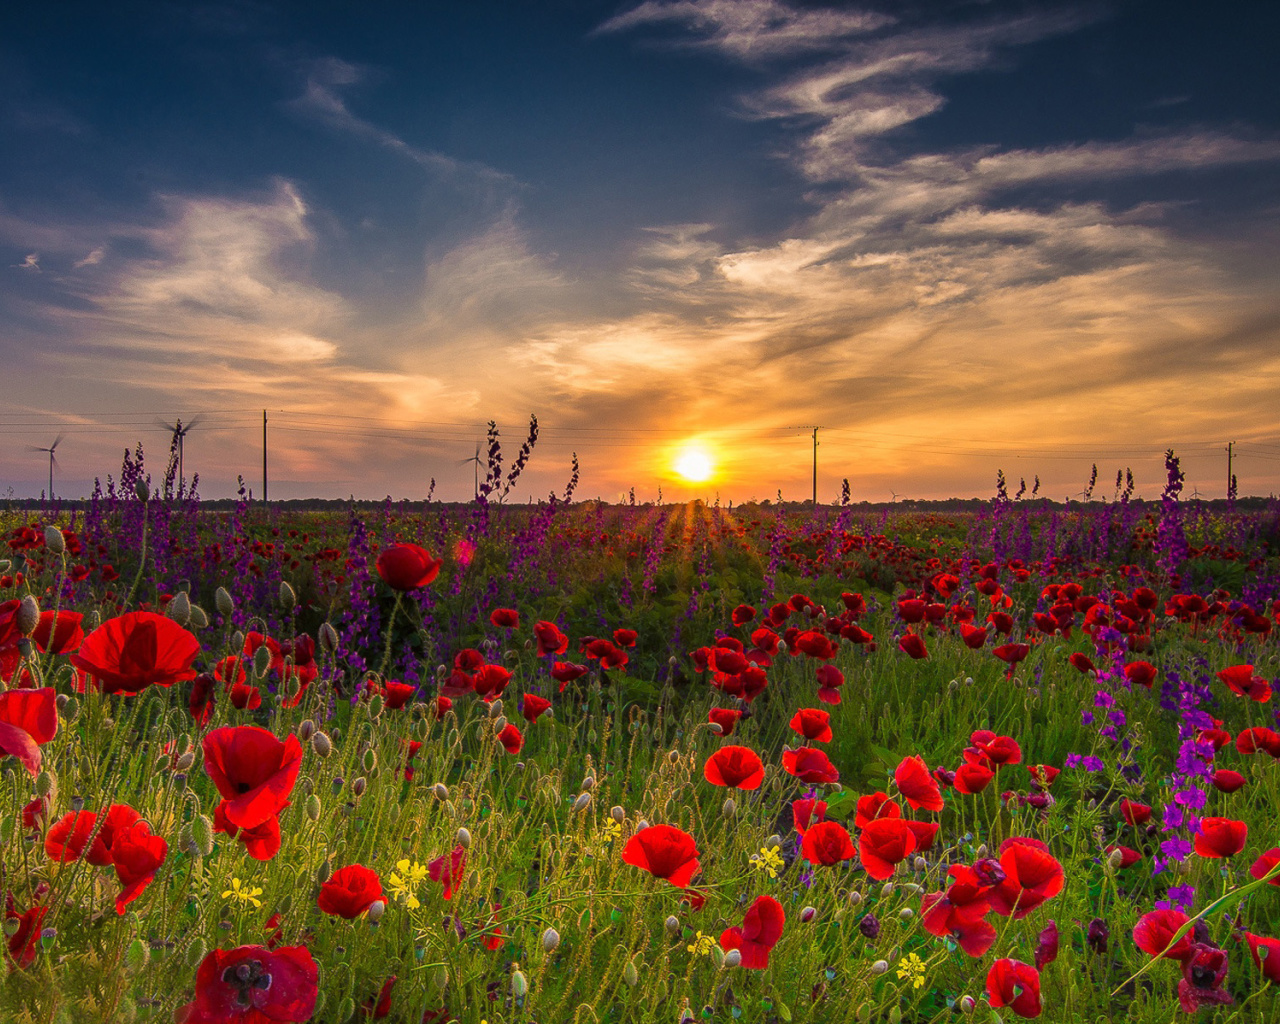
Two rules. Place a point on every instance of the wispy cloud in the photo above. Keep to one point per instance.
(92, 259)
(30, 262)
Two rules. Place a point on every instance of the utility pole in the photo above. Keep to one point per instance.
(264, 457)
(815, 466)
(1230, 445)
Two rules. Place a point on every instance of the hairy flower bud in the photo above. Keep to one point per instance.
(728, 808)
(288, 597)
(27, 616)
(261, 661)
(672, 924)
(313, 807)
(44, 784)
(550, 940)
(321, 744)
(222, 600)
(618, 814)
(328, 638)
(376, 909)
(495, 709)
(462, 838)
(141, 490)
(630, 975)
(358, 787)
(441, 791)
(808, 914)
(306, 729)
(199, 619)
(879, 967)
(202, 833)
(581, 803)
(54, 541)
(733, 958)
(370, 760)
(519, 983)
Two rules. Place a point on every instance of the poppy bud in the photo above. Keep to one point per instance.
(441, 791)
(328, 638)
(887, 890)
(906, 914)
(630, 975)
(223, 602)
(323, 872)
(495, 709)
(202, 833)
(28, 615)
(642, 824)
(261, 661)
(982, 852)
(186, 761)
(581, 803)
(198, 617)
(673, 757)
(376, 705)
(967, 1004)
(306, 729)
(519, 983)
(773, 840)
(180, 781)
(879, 967)
(855, 898)
(618, 814)
(376, 909)
(370, 760)
(463, 839)
(54, 541)
(288, 598)
(728, 808)
(358, 787)
(321, 744)
(672, 924)
(733, 958)
(588, 783)
(808, 914)
(141, 491)
(313, 807)
(499, 724)
(550, 940)
(44, 784)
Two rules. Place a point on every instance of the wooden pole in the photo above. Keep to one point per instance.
(264, 456)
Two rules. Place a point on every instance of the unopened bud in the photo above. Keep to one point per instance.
(223, 602)
(588, 784)
(328, 638)
(370, 760)
(728, 808)
(808, 914)
(202, 833)
(674, 757)
(27, 616)
(313, 807)
(879, 967)
(184, 763)
(441, 791)
(906, 914)
(672, 924)
(44, 784)
(462, 838)
(358, 787)
(550, 940)
(499, 724)
(198, 617)
(54, 541)
(261, 661)
(618, 814)
(967, 1004)
(630, 975)
(733, 958)
(519, 984)
(887, 889)
(306, 729)
(141, 490)
(288, 598)
(376, 909)
(495, 709)
(323, 872)
(321, 744)
(581, 803)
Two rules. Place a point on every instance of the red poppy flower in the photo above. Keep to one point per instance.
(1032, 876)
(489, 682)
(1265, 864)
(665, 852)
(406, 567)
(916, 785)
(22, 943)
(827, 843)
(727, 661)
(1250, 741)
(1154, 932)
(565, 672)
(1141, 673)
(883, 844)
(137, 856)
(1203, 974)
(913, 645)
(767, 640)
(726, 718)
(974, 637)
(549, 639)
(531, 706)
(62, 638)
(505, 618)
(873, 806)
(203, 697)
(739, 767)
(807, 812)
(262, 842)
(28, 719)
(244, 697)
(625, 637)
(830, 679)
(812, 724)
(761, 929)
(136, 650)
(1266, 956)
(1242, 681)
(992, 750)
(380, 1006)
(743, 614)
(254, 771)
(1002, 621)
(1221, 837)
(1042, 775)
(960, 912)
(69, 835)
(1081, 662)
(809, 765)
(449, 871)
(468, 660)
(1227, 781)
(252, 985)
(350, 891)
(1011, 654)
(924, 831)
(511, 738)
(1016, 985)
(972, 778)
(1134, 813)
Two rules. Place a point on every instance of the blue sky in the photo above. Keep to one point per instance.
(958, 236)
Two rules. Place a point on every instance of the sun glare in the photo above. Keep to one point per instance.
(694, 465)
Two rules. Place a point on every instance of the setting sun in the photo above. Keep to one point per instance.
(694, 465)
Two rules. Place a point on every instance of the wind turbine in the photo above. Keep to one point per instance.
(179, 433)
(894, 499)
(476, 459)
(52, 460)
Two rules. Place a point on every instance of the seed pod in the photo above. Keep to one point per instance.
(11, 926)
(630, 975)
(733, 958)
(306, 729)
(223, 602)
(462, 838)
(321, 744)
(728, 808)
(313, 807)
(54, 541)
(672, 924)
(179, 608)
(202, 833)
(376, 909)
(328, 638)
(288, 598)
(519, 983)
(28, 616)
(199, 618)
(550, 940)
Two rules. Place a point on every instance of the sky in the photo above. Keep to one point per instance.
(956, 237)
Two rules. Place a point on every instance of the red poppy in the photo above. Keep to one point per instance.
(468, 660)
(916, 785)
(974, 637)
(807, 812)
(625, 637)
(1154, 932)
(1221, 837)
(924, 831)
(1203, 974)
(380, 1006)
(136, 650)
(1134, 813)
(1011, 654)
(972, 778)
(992, 750)
(665, 852)
(407, 567)
(254, 771)
(1016, 985)
(244, 697)
(1250, 741)
(531, 706)
(1266, 956)
(1242, 681)
(252, 985)
(761, 929)
(262, 842)
(549, 639)
(812, 724)
(203, 697)
(873, 806)
(449, 871)
(830, 679)
(960, 911)
(1081, 662)
(1141, 673)
(28, 719)
(489, 681)
(1002, 621)
(69, 835)
(1265, 864)
(1042, 775)
(62, 638)
(511, 738)
(827, 843)
(913, 645)
(350, 891)
(1227, 781)
(883, 844)
(565, 672)
(809, 765)
(22, 942)
(727, 661)
(137, 856)
(505, 618)
(743, 614)
(726, 718)
(767, 640)
(1032, 876)
(739, 767)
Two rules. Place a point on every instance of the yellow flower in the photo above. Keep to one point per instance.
(701, 945)
(416, 872)
(768, 859)
(400, 887)
(912, 967)
(611, 830)
(244, 893)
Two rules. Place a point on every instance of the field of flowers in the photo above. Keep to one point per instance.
(578, 762)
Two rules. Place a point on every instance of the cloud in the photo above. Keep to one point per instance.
(92, 259)
(30, 262)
